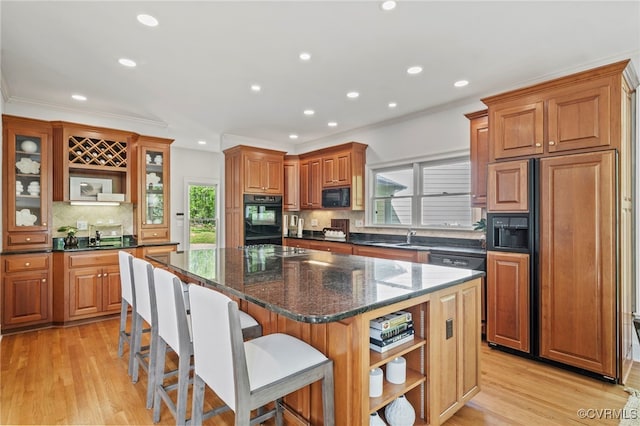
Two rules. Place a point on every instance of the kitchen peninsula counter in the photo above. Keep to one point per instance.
(328, 300)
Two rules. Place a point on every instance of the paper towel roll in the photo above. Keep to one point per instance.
(397, 370)
(375, 382)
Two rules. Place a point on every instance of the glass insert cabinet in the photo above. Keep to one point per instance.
(153, 157)
(26, 191)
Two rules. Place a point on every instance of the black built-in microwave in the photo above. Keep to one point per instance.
(336, 197)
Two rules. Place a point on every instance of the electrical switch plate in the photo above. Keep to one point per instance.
(82, 225)
(314, 222)
(359, 223)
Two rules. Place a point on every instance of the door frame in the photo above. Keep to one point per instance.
(199, 181)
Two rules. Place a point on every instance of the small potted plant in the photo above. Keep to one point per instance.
(70, 240)
(481, 225)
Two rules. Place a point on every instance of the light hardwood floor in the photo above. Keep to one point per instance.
(74, 376)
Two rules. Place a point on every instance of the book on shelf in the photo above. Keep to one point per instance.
(374, 333)
(382, 349)
(391, 320)
(393, 339)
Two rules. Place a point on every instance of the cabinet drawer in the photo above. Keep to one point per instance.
(155, 234)
(27, 262)
(27, 239)
(93, 259)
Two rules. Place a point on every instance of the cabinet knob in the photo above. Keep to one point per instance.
(473, 196)
(155, 234)
(27, 239)
(27, 264)
(44, 223)
(105, 275)
(552, 143)
(99, 275)
(44, 280)
(538, 145)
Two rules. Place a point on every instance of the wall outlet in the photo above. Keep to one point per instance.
(359, 223)
(82, 225)
(314, 222)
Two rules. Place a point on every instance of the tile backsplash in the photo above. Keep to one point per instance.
(65, 214)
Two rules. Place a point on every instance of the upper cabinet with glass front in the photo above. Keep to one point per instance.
(152, 183)
(27, 173)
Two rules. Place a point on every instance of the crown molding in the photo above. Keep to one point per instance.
(52, 106)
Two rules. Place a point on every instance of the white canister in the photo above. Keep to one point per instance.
(375, 382)
(397, 370)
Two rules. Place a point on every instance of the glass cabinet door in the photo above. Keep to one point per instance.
(154, 200)
(28, 210)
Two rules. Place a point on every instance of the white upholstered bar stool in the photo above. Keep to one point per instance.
(127, 300)
(173, 331)
(145, 304)
(249, 375)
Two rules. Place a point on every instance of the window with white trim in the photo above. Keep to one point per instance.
(432, 194)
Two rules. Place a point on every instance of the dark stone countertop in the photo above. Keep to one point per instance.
(309, 285)
(83, 245)
(431, 244)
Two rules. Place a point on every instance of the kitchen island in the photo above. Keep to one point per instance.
(328, 300)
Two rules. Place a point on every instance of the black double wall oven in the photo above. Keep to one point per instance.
(262, 219)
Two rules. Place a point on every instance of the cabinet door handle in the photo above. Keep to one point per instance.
(44, 280)
(552, 143)
(27, 264)
(538, 145)
(99, 275)
(44, 223)
(473, 196)
(105, 275)
(155, 234)
(27, 239)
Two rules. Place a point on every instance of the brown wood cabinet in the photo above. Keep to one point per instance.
(311, 183)
(479, 152)
(82, 151)
(578, 283)
(26, 290)
(248, 170)
(576, 112)
(151, 177)
(263, 172)
(336, 169)
(27, 179)
(508, 186)
(508, 300)
(87, 285)
(291, 197)
(156, 250)
(455, 337)
(338, 166)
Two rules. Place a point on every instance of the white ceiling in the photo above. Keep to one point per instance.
(195, 68)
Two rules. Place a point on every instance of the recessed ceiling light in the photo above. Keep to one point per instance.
(392, 104)
(127, 62)
(309, 112)
(353, 95)
(202, 142)
(305, 56)
(256, 87)
(147, 20)
(332, 124)
(388, 5)
(293, 136)
(79, 97)
(461, 83)
(416, 69)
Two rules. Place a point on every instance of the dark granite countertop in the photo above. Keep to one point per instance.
(431, 244)
(309, 285)
(83, 245)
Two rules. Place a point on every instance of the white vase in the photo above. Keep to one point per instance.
(400, 412)
(375, 420)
